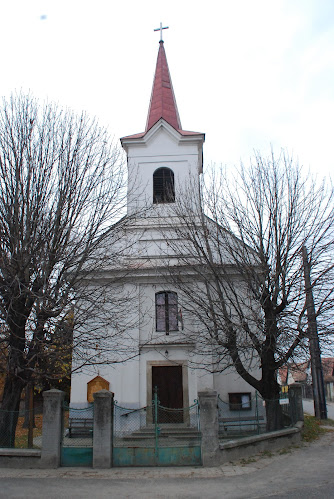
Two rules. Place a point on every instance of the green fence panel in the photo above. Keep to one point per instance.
(77, 456)
(77, 441)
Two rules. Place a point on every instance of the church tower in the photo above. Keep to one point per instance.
(164, 158)
(159, 352)
(164, 162)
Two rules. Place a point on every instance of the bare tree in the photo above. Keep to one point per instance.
(240, 269)
(61, 192)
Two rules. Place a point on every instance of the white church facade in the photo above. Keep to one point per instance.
(161, 160)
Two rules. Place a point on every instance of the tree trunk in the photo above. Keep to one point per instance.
(29, 414)
(273, 415)
(9, 412)
(270, 393)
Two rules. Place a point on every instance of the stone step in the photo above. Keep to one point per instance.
(164, 433)
(170, 433)
(148, 436)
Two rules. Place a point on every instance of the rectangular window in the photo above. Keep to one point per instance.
(166, 311)
(160, 305)
(240, 401)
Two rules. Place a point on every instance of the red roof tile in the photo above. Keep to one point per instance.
(163, 103)
(298, 371)
(328, 368)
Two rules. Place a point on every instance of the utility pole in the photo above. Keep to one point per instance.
(320, 408)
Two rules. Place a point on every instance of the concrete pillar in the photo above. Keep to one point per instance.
(296, 402)
(52, 431)
(208, 405)
(103, 429)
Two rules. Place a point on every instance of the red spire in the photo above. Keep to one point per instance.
(163, 103)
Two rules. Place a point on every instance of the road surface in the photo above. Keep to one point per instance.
(299, 473)
(309, 407)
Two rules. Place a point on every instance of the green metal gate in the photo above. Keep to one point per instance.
(77, 441)
(157, 436)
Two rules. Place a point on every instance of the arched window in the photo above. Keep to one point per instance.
(163, 186)
(166, 311)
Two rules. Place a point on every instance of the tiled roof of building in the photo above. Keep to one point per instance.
(328, 368)
(299, 374)
(297, 371)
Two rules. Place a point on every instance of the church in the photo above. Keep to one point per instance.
(161, 162)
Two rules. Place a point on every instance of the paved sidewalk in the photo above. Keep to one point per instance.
(136, 473)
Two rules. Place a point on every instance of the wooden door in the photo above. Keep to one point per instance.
(168, 381)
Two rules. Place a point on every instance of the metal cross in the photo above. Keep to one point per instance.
(160, 29)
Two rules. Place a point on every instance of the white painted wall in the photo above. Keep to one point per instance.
(162, 147)
(145, 249)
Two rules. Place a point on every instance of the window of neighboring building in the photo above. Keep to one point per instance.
(166, 311)
(240, 401)
(163, 186)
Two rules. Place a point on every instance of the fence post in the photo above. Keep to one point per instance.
(103, 429)
(257, 414)
(156, 428)
(208, 404)
(296, 401)
(52, 431)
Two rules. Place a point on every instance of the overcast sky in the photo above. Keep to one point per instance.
(247, 73)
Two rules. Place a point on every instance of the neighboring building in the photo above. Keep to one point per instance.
(301, 373)
(161, 162)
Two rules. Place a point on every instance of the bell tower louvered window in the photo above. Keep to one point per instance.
(163, 186)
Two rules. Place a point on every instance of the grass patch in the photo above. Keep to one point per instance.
(312, 428)
(285, 450)
(21, 434)
(249, 460)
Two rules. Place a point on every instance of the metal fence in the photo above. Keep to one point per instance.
(21, 429)
(236, 420)
(289, 404)
(129, 425)
(156, 435)
(78, 426)
(239, 420)
(77, 442)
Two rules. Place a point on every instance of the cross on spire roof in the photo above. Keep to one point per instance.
(160, 29)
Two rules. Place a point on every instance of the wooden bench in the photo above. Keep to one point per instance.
(80, 427)
(227, 424)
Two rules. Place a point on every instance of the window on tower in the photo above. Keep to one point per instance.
(163, 186)
(166, 311)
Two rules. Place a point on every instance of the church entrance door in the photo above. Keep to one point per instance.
(167, 381)
(166, 431)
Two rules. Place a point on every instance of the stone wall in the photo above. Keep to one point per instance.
(214, 453)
